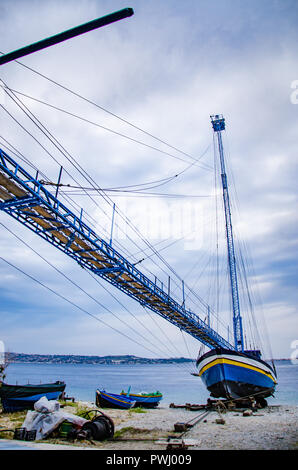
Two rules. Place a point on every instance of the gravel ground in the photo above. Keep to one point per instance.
(273, 428)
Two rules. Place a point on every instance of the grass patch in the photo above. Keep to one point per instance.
(6, 435)
(139, 409)
(130, 430)
(67, 403)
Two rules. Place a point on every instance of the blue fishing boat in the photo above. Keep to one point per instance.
(112, 400)
(144, 399)
(231, 374)
(22, 397)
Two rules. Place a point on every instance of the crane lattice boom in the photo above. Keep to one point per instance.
(27, 200)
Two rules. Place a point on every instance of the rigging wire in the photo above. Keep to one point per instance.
(138, 193)
(15, 152)
(73, 303)
(34, 138)
(242, 264)
(244, 260)
(87, 100)
(48, 153)
(25, 159)
(79, 287)
(66, 196)
(88, 178)
(125, 308)
(109, 200)
(162, 181)
(187, 348)
(101, 107)
(115, 297)
(216, 225)
(154, 320)
(120, 134)
(167, 337)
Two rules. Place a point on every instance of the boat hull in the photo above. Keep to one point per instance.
(230, 374)
(22, 397)
(144, 401)
(111, 400)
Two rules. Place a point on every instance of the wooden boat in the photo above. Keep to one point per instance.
(22, 397)
(112, 400)
(232, 374)
(143, 399)
(234, 371)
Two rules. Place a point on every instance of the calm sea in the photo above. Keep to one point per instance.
(174, 381)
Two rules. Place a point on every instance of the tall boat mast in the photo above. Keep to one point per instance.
(218, 124)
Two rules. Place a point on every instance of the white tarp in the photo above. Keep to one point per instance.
(47, 417)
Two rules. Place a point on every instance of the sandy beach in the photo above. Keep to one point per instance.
(272, 428)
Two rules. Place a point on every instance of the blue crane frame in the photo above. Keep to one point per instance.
(218, 124)
(26, 199)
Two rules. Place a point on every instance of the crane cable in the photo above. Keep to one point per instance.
(77, 286)
(107, 199)
(102, 108)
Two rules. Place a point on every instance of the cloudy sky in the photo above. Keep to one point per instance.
(164, 71)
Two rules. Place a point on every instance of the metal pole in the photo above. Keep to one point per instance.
(112, 226)
(68, 34)
(58, 183)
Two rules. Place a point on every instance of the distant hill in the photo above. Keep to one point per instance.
(77, 359)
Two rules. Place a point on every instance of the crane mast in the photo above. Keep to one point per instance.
(218, 124)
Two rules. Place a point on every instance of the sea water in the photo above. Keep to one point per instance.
(174, 380)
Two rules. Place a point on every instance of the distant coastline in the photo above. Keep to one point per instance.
(15, 358)
(80, 359)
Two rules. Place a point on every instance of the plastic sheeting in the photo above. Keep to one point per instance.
(47, 417)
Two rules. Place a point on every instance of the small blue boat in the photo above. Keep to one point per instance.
(112, 400)
(22, 397)
(144, 399)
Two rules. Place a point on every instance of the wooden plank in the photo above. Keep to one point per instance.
(11, 186)
(4, 194)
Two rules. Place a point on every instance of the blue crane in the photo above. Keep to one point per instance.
(218, 124)
(27, 200)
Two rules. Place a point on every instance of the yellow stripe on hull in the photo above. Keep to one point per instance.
(235, 363)
(114, 398)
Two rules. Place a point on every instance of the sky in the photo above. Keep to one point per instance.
(164, 71)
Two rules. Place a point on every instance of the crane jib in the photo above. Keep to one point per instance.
(25, 199)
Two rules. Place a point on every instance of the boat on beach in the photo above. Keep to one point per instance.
(235, 372)
(144, 399)
(22, 397)
(104, 399)
(233, 375)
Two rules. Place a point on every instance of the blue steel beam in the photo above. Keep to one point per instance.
(28, 201)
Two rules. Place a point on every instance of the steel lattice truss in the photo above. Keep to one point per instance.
(26, 199)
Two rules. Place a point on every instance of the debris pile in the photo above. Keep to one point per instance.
(48, 418)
